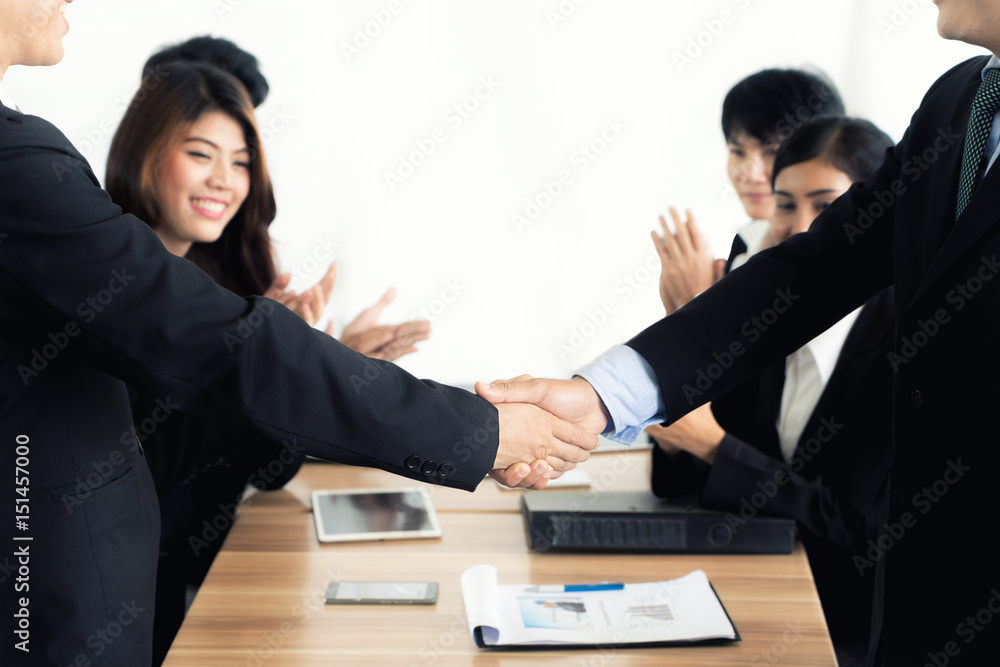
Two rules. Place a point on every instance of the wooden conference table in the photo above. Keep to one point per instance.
(262, 602)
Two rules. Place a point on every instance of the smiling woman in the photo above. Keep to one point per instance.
(187, 159)
(203, 182)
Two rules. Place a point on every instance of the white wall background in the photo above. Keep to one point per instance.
(563, 69)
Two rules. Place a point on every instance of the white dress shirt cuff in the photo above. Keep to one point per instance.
(628, 386)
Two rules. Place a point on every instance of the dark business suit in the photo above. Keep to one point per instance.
(831, 485)
(89, 298)
(200, 471)
(940, 556)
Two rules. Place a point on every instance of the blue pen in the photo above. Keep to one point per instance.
(578, 588)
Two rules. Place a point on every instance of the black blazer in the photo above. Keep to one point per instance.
(831, 485)
(938, 552)
(90, 298)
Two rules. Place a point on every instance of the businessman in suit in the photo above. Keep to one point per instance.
(90, 298)
(829, 484)
(925, 223)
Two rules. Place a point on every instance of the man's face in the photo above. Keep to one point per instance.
(974, 21)
(31, 32)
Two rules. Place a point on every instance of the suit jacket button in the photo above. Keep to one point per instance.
(412, 462)
(444, 470)
(899, 498)
(429, 467)
(917, 398)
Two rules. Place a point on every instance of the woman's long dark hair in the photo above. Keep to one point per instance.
(851, 145)
(172, 98)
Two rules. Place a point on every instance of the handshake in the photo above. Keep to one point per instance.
(546, 427)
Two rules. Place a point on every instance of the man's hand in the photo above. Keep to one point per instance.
(534, 476)
(573, 400)
(528, 433)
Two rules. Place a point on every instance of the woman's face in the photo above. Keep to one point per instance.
(202, 183)
(802, 191)
(750, 164)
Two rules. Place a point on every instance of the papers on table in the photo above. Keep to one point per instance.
(678, 611)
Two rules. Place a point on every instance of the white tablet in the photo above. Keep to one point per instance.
(374, 514)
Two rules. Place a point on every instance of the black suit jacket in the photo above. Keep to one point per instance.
(831, 485)
(90, 298)
(938, 551)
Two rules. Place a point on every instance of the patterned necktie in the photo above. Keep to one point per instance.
(984, 107)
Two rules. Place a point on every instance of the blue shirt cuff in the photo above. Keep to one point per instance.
(628, 386)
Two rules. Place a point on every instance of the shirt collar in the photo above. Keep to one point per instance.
(6, 100)
(825, 348)
(994, 63)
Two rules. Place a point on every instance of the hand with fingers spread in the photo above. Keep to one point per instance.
(383, 341)
(687, 267)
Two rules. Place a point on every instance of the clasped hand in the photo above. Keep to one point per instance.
(553, 424)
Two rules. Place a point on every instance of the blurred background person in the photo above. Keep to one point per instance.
(813, 432)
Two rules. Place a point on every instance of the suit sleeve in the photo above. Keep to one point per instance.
(741, 474)
(73, 267)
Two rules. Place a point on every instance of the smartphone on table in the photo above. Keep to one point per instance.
(382, 592)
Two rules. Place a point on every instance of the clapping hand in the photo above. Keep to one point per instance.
(687, 267)
(308, 305)
(383, 341)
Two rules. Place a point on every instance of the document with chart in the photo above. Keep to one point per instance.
(658, 613)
